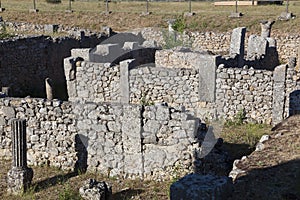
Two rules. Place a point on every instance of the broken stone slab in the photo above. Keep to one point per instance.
(196, 186)
(107, 30)
(237, 44)
(235, 15)
(6, 91)
(130, 45)
(94, 190)
(33, 10)
(69, 11)
(285, 16)
(171, 22)
(189, 14)
(257, 47)
(146, 13)
(51, 28)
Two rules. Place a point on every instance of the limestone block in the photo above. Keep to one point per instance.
(162, 113)
(131, 129)
(8, 112)
(196, 186)
(133, 164)
(154, 157)
(50, 28)
(19, 180)
(94, 190)
(151, 126)
(237, 42)
(257, 46)
(130, 45)
(83, 53)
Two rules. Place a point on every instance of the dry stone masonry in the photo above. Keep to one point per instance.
(133, 109)
(114, 139)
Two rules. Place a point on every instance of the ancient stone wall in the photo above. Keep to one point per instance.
(95, 82)
(292, 88)
(173, 86)
(220, 42)
(50, 130)
(118, 139)
(245, 90)
(26, 62)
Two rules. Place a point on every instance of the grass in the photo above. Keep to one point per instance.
(127, 15)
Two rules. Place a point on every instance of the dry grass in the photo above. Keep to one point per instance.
(127, 15)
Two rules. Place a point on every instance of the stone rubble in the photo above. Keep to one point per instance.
(196, 187)
(94, 190)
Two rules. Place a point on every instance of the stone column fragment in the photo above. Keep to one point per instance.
(266, 28)
(20, 176)
(49, 88)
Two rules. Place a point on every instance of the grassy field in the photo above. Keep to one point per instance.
(127, 15)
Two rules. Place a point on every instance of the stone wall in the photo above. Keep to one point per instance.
(245, 90)
(26, 62)
(50, 130)
(203, 89)
(219, 43)
(173, 86)
(118, 139)
(95, 82)
(292, 97)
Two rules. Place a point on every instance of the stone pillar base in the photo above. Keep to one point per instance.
(33, 10)
(2, 9)
(236, 15)
(19, 180)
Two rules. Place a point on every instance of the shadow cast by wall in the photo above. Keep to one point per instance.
(294, 107)
(81, 143)
(127, 194)
(277, 182)
(50, 182)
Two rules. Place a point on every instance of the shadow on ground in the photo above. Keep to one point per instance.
(280, 182)
(50, 182)
(127, 194)
(237, 151)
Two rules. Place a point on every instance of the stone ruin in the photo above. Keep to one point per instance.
(20, 176)
(135, 110)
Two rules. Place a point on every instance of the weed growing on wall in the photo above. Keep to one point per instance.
(238, 119)
(3, 32)
(179, 24)
(176, 39)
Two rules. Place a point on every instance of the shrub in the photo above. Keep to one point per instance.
(179, 24)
